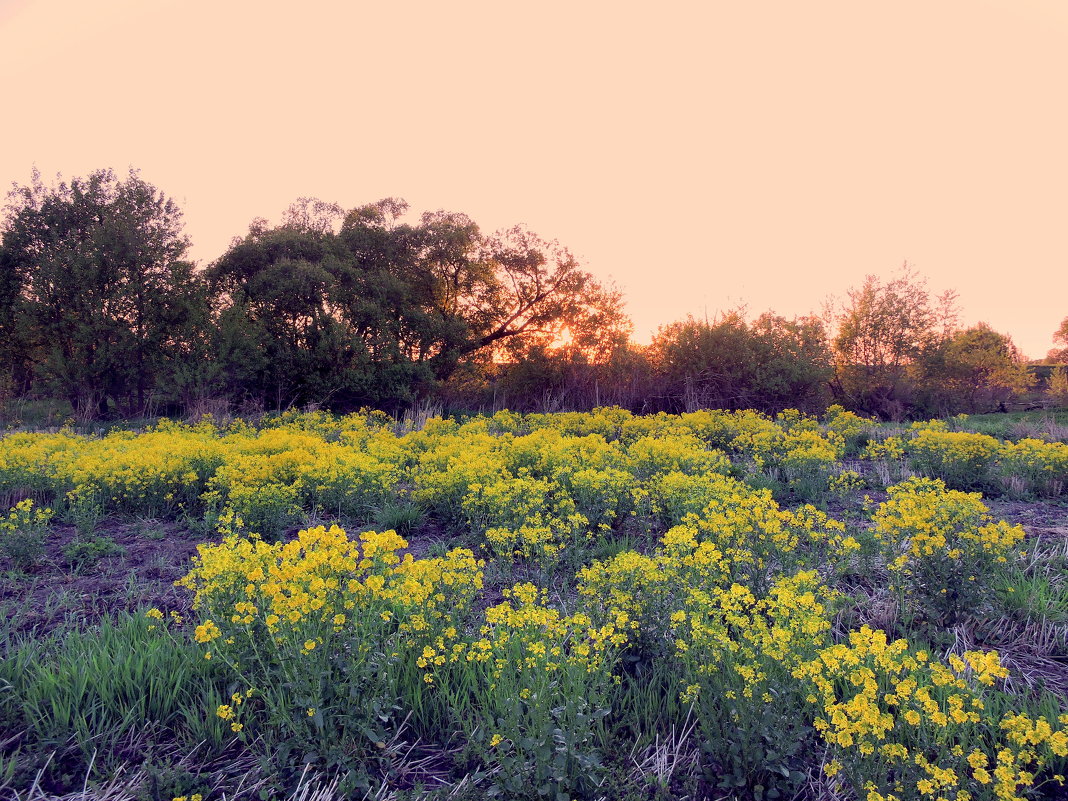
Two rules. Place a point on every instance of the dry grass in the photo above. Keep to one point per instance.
(668, 760)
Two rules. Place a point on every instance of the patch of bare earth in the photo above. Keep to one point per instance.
(149, 557)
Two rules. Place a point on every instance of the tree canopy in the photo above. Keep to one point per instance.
(96, 267)
(371, 306)
(364, 308)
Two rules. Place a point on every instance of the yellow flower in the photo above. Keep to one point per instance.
(206, 632)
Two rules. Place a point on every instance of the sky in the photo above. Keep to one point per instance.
(700, 155)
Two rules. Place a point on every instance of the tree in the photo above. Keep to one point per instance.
(281, 337)
(729, 363)
(793, 364)
(704, 363)
(1060, 337)
(14, 339)
(104, 287)
(976, 370)
(379, 311)
(1057, 390)
(882, 330)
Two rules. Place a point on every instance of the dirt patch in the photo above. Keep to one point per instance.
(1039, 518)
(71, 587)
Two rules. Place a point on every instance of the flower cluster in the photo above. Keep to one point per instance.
(942, 547)
(904, 725)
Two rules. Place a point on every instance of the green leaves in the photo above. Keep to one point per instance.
(103, 288)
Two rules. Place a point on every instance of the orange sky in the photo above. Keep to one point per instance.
(700, 154)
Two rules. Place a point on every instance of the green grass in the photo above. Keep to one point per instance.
(108, 695)
(1016, 425)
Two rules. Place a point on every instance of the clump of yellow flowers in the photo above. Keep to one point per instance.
(23, 532)
(904, 725)
(942, 548)
(327, 623)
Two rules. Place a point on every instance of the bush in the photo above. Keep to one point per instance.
(943, 549)
(23, 534)
(322, 636)
(963, 461)
(902, 725)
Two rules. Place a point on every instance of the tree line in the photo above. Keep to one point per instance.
(338, 308)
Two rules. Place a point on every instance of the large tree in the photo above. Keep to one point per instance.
(362, 307)
(103, 286)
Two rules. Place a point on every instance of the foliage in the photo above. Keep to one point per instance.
(642, 589)
(962, 460)
(942, 549)
(1057, 389)
(22, 534)
(882, 329)
(903, 725)
(531, 692)
(360, 308)
(84, 552)
(1060, 337)
(975, 370)
(729, 363)
(93, 695)
(737, 653)
(105, 294)
(345, 309)
(323, 634)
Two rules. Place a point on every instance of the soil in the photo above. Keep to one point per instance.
(1039, 518)
(153, 555)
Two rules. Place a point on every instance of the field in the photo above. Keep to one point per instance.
(570, 606)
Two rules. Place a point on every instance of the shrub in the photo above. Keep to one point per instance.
(943, 549)
(23, 534)
(902, 725)
(1033, 465)
(322, 636)
(531, 694)
(963, 461)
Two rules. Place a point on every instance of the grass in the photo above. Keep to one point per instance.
(109, 690)
(1037, 590)
(1047, 423)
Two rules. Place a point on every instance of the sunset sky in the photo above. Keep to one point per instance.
(699, 154)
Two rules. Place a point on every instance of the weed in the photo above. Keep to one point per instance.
(401, 515)
(23, 533)
(84, 552)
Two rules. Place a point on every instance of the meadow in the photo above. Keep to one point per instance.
(588, 606)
